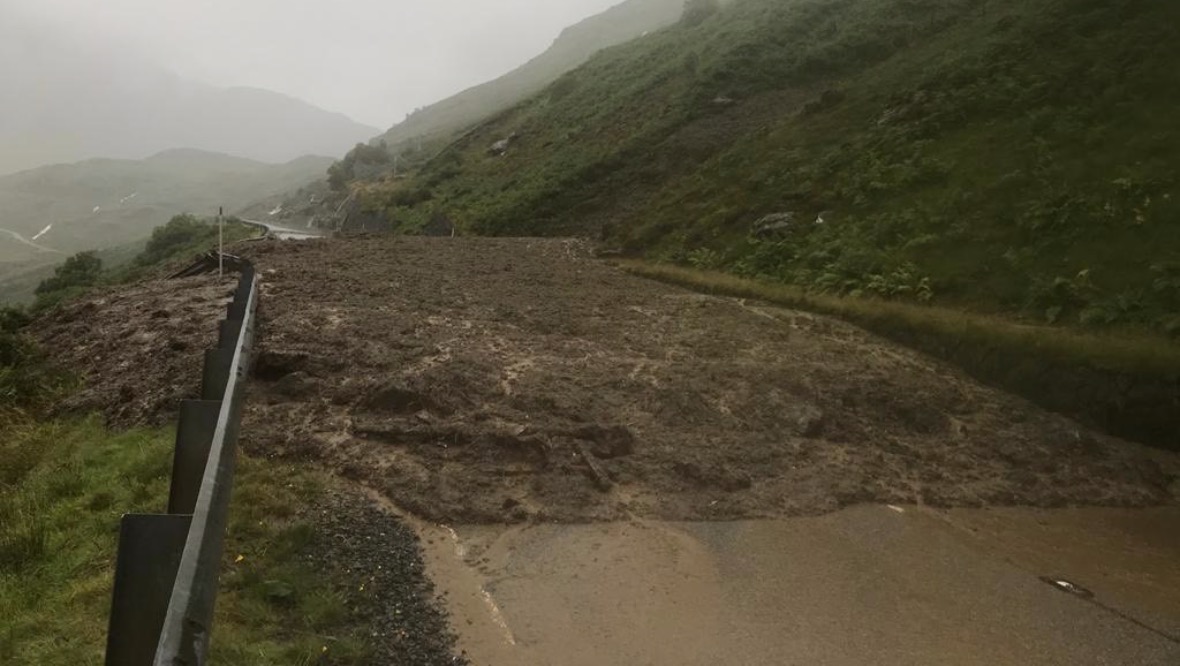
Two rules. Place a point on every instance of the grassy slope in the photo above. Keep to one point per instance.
(1001, 155)
(577, 43)
(65, 483)
(63, 487)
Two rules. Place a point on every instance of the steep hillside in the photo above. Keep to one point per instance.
(65, 100)
(51, 212)
(574, 46)
(1006, 155)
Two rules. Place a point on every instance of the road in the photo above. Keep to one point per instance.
(286, 233)
(868, 585)
(30, 243)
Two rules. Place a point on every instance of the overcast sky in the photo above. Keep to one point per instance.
(375, 60)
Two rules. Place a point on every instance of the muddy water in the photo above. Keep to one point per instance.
(875, 585)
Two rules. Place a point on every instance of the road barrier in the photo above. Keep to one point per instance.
(167, 567)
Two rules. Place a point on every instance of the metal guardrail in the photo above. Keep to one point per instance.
(167, 568)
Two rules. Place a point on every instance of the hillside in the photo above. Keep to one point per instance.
(66, 100)
(574, 46)
(1002, 155)
(51, 212)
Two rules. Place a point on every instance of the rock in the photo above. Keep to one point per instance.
(810, 423)
(295, 385)
(776, 224)
(608, 442)
(501, 147)
(274, 365)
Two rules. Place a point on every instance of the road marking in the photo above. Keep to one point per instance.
(30, 243)
(498, 616)
(493, 607)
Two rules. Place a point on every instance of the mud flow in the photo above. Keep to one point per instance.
(508, 380)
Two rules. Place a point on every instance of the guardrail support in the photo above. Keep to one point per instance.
(167, 568)
(149, 555)
(227, 333)
(194, 437)
(219, 364)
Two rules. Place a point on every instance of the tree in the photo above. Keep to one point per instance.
(81, 270)
(341, 173)
(181, 231)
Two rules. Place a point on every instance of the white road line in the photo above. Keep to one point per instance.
(493, 607)
(30, 243)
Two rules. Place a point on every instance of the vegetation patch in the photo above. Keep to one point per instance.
(991, 155)
(64, 486)
(183, 237)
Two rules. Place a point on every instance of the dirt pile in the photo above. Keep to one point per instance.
(138, 349)
(488, 380)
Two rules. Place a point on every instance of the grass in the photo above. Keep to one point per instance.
(64, 486)
(1127, 383)
(1012, 156)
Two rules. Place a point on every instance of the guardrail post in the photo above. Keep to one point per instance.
(227, 333)
(194, 437)
(167, 568)
(218, 365)
(150, 548)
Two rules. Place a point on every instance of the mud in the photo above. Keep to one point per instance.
(497, 380)
(138, 349)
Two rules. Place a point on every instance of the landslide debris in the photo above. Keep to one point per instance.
(507, 380)
(138, 349)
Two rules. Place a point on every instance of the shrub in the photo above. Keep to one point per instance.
(81, 270)
(341, 173)
(181, 231)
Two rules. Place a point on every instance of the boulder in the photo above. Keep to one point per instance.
(775, 224)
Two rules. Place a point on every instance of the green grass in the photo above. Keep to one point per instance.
(1126, 382)
(63, 488)
(998, 156)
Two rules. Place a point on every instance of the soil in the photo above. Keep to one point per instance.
(138, 349)
(513, 380)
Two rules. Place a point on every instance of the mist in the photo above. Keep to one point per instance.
(373, 60)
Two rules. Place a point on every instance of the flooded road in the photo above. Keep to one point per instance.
(868, 585)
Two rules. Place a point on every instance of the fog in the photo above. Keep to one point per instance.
(373, 60)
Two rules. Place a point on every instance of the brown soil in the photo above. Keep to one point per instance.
(489, 380)
(138, 349)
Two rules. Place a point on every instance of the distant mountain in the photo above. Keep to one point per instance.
(54, 211)
(67, 100)
(574, 46)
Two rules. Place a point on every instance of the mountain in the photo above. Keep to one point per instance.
(51, 212)
(1016, 156)
(573, 47)
(68, 99)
